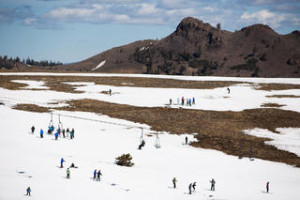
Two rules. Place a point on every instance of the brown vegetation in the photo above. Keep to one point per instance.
(283, 96)
(274, 105)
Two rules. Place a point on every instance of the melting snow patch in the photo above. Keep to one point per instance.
(32, 84)
(288, 139)
(100, 65)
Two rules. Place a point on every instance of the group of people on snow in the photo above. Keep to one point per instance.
(58, 132)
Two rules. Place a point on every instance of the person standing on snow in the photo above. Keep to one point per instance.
(68, 173)
(98, 175)
(56, 135)
(182, 101)
(174, 182)
(190, 188)
(267, 186)
(32, 129)
(62, 163)
(63, 132)
(213, 182)
(95, 174)
(194, 186)
(228, 90)
(194, 101)
(186, 140)
(68, 131)
(41, 133)
(28, 190)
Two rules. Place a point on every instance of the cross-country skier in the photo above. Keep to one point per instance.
(28, 190)
(170, 101)
(68, 131)
(194, 101)
(174, 182)
(32, 129)
(267, 186)
(213, 182)
(182, 101)
(194, 186)
(41, 133)
(190, 188)
(68, 173)
(186, 140)
(62, 162)
(142, 144)
(63, 132)
(98, 175)
(95, 174)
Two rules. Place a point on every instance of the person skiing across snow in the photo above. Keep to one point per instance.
(63, 132)
(62, 163)
(170, 101)
(194, 186)
(174, 182)
(182, 101)
(68, 173)
(190, 188)
(228, 90)
(193, 100)
(32, 129)
(28, 190)
(213, 182)
(72, 133)
(267, 186)
(56, 135)
(95, 174)
(186, 140)
(68, 131)
(142, 144)
(98, 175)
(41, 133)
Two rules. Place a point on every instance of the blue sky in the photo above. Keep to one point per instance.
(73, 30)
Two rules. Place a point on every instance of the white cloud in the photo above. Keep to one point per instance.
(264, 17)
(148, 9)
(29, 21)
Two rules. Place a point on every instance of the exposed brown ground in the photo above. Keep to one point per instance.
(283, 96)
(274, 105)
(215, 130)
(57, 83)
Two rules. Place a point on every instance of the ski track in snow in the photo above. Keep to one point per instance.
(28, 160)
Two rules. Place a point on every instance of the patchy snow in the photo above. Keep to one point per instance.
(287, 139)
(99, 65)
(32, 84)
(28, 160)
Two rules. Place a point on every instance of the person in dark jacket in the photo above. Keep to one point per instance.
(194, 186)
(142, 144)
(267, 186)
(63, 132)
(213, 182)
(186, 140)
(98, 175)
(174, 182)
(32, 129)
(28, 190)
(190, 188)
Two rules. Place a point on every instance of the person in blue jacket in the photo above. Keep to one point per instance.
(56, 135)
(41, 133)
(62, 163)
(28, 190)
(95, 173)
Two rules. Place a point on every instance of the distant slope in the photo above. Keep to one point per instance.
(197, 48)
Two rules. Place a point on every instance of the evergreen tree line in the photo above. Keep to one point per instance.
(29, 61)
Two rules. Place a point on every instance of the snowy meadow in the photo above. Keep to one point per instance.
(31, 161)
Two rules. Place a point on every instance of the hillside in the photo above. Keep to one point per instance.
(197, 48)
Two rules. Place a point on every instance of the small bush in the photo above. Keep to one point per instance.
(124, 160)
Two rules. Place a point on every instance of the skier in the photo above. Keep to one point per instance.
(194, 186)
(41, 133)
(62, 163)
(63, 132)
(73, 166)
(170, 101)
(32, 129)
(228, 90)
(98, 175)
(182, 101)
(193, 100)
(190, 188)
(56, 135)
(68, 173)
(190, 102)
(72, 133)
(109, 91)
(213, 182)
(267, 186)
(28, 190)
(95, 174)
(174, 182)
(68, 132)
(186, 140)
(142, 144)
